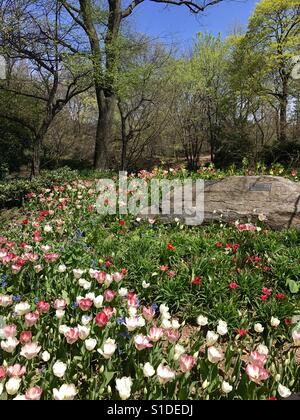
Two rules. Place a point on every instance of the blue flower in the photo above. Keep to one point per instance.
(154, 307)
(17, 298)
(120, 321)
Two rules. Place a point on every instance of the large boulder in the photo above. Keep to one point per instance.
(246, 199)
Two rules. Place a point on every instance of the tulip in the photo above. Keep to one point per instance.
(43, 307)
(65, 393)
(214, 355)
(9, 331)
(46, 356)
(211, 338)
(31, 318)
(226, 387)
(72, 335)
(148, 370)
(60, 304)
(16, 371)
(123, 386)
(109, 348)
(30, 350)
(98, 301)
(9, 345)
(142, 342)
(222, 328)
(59, 369)
(165, 374)
(22, 308)
(186, 363)
(283, 391)
(12, 386)
(109, 295)
(90, 344)
(296, 335)
(34, 393)
(258, 328)
(275, 322)
(85, 304)
(257, 373)
(101, 319)
(155, 333)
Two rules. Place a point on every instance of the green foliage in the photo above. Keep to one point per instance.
(13, 192)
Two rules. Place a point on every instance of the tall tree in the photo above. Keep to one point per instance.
(105, 49)
(33, 36)
(274, 34)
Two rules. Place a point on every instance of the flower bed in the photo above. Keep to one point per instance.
(107, 308)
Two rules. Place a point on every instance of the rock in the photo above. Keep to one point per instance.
(245, 199)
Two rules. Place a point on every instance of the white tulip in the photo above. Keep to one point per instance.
(46, 356)
(98, 301)
(262, 349)
(62, 268)
(275, 322)
(90, 344)
(202, 321)
(123, 386)
(258, 328)
(222, 328)
(60, 313)
(59, 369)
(9, 345)
(84, 332)
(215, 355)
(65, 392)
(226, 387)
(283, 391)
(22, 308)
(148, 370)
(211, 338)
(109, 348)
(123, 292)
(12, 386)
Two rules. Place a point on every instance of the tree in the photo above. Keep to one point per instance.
(142, 97)
(274, 36)
(105, 53)
(33, 36)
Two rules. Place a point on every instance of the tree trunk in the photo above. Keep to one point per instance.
(106, 104)
(36, 157)
(283, 118)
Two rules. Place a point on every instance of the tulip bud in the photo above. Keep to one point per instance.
(205, 384)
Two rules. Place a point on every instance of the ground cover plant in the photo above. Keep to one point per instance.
(110, 307)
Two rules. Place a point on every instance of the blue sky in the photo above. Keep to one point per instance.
(177, 24)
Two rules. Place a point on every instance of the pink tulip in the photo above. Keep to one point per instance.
(31, 318)
(186, 363)
(258, 359)
(60, 304)
(10, 331)
(148, 313)
(72, 335)
(109, 295)
(257, 373)
(34, 394)
(172, 335)
(16, 371)
(142, 342)
(155, 333)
